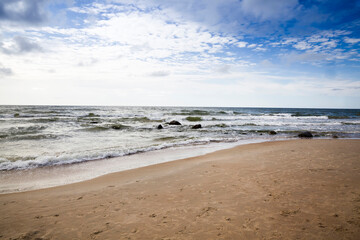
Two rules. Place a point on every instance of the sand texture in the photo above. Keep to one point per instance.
(299, 189)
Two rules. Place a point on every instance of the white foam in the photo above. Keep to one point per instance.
(38, 178)
(42, 161)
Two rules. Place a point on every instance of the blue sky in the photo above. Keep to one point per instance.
(251, 53)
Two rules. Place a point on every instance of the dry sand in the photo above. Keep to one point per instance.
(301, 189)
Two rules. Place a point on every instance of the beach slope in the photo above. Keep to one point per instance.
(298, 189)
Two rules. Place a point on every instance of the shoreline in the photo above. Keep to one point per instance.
(58, 175)
(302, 189)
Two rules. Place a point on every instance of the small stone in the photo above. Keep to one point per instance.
(160, 126)
(174, 122)
(306, 134)
(197, 126)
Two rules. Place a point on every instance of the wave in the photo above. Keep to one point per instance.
(139, 119)
(194, 119)
(105, 127)
(170, 138)
(118, 126)
(221, 125)
(45, 120)
(88, 119)
(249, 124)
(92, 115)
(35, 137)
(29, 137)
(350, 123)
(301, 114)
(222, 112)
(95, 129)
(19, 112)
(14, 131)
(45, 161)
(338, 117)
(192, 112)
(233, 124)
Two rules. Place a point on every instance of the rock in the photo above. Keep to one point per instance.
(160, 126)
(272, 132)
(305, 135)
(335, 136)
(197, 126)
(118, 126)
(174, 122)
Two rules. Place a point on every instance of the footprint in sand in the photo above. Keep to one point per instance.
(286, 213)
(206, 211)
(96, 233)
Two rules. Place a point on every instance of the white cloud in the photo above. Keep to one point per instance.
(260, 49)
(289, 41)
(302, 45)
(317, 39)
(252, 45)
(241, 44)
(351, 40)
(329, 44)
(156, 35)
(133, 54)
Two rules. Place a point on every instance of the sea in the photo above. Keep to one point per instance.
(35, 137)
(38, 136)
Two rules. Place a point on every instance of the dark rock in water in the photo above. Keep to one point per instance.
(118, 126)
(94, 122)
(197, 126)
(174, 122)
(334, 136)
(305, 135)
(16, 115)
(272, 132)
(160, 126)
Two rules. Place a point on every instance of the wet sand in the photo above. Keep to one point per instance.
(299, 189)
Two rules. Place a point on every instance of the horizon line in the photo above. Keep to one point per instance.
(179, 106)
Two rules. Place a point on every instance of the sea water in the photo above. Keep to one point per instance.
(39, 136)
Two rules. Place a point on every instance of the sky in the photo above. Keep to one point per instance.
(235, 53)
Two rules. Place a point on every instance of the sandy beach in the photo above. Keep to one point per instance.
(298, 189)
